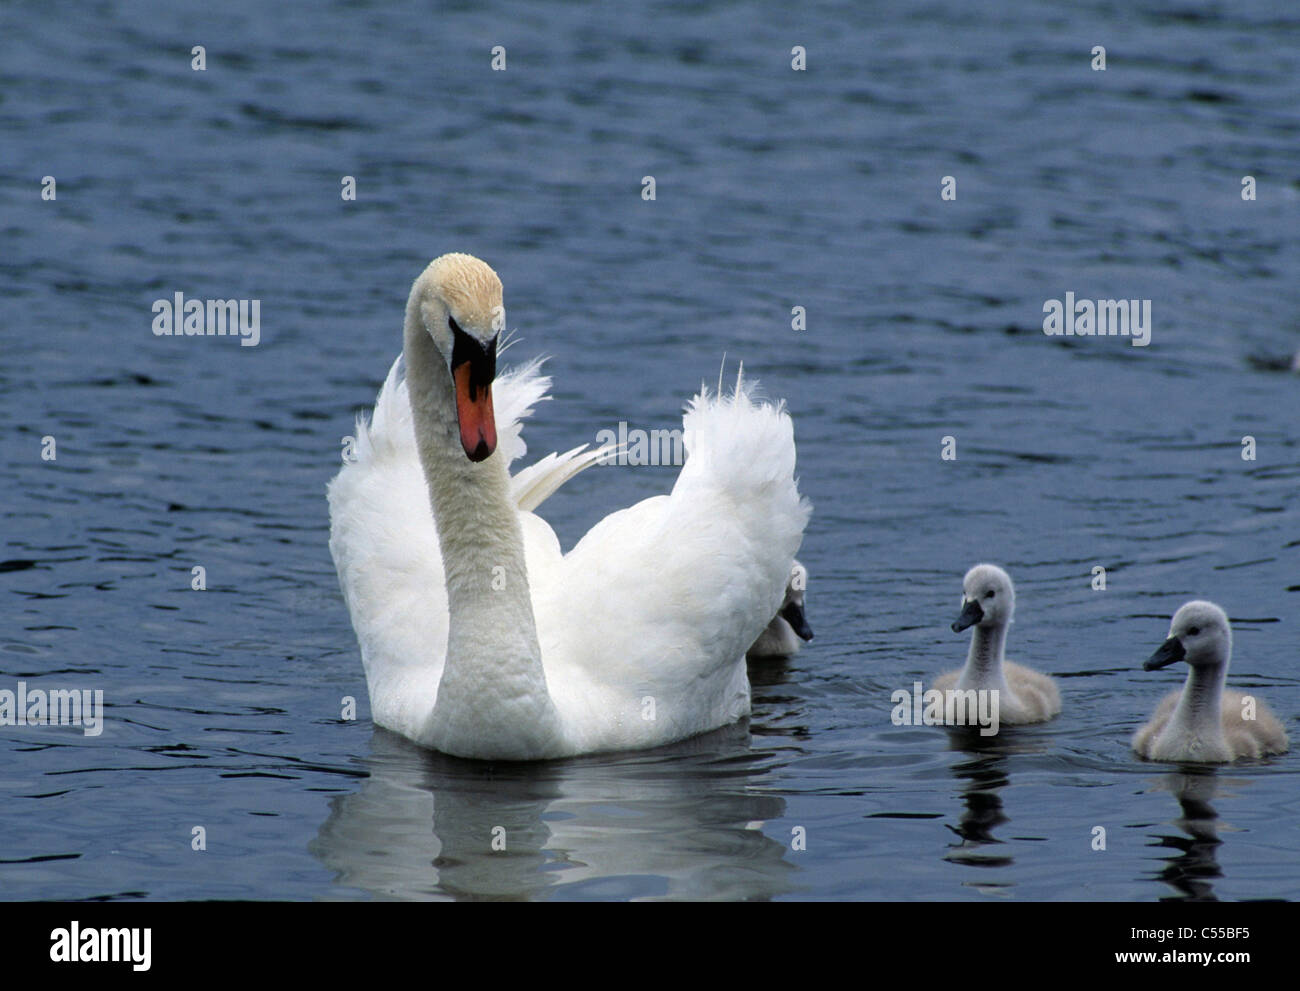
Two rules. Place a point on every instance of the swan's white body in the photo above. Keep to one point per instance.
(1203, 722)
(479, 637)
(1024, 695)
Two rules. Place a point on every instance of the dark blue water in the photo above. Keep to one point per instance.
(774, 189)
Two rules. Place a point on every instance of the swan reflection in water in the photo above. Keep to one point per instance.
(1191, 871)
(984, 775)
(678, 822)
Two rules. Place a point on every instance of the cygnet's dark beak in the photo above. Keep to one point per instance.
(793, 614)
(971, 614)
(1170, 652)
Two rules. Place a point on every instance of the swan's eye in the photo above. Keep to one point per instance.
(455, 327)
(1194, 630)
(989, 594)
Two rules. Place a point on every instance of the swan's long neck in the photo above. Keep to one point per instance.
(493, 689)
(984, 659)
(1200, 707)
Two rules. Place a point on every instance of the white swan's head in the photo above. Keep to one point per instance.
(988, 598)
(1199, 634)
(458, 301)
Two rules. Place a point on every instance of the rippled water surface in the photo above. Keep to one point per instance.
(774, 189)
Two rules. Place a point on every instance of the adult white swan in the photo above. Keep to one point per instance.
(479, 638)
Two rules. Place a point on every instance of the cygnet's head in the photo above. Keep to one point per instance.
(789, 626)
(988, 598)
(792, 608)
(1199, 634)
(457, 300)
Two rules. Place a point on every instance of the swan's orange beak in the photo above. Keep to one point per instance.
(473, 367)
(478, 427)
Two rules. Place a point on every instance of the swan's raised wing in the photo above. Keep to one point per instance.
(385, 548)
(514, 395)
(390, 435)
(533, 485)
(390, 432)
(662, 599)
(385, 543)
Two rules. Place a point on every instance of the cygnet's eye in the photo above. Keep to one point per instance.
(1194, 630)
(990, 593)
